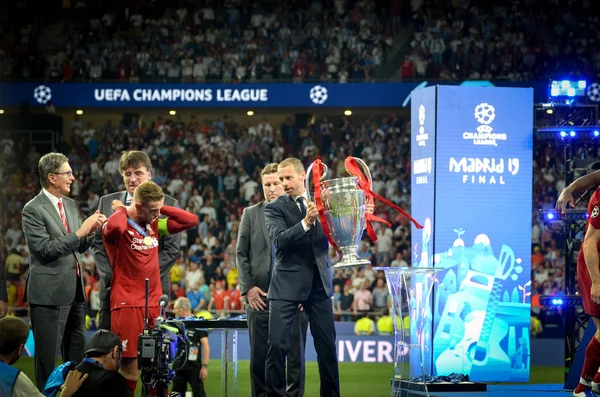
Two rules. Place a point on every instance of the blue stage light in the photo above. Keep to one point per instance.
(596, 133)
(563, 134)
(550, 215)
(572, 134)
(557, 302)
(567, 89)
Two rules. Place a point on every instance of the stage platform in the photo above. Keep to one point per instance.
(524, 390)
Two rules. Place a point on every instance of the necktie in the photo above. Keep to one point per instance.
(63, 218)
(300, 201)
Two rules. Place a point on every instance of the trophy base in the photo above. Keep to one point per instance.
(351, 262)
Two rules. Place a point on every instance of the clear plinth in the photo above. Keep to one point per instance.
(411, 291)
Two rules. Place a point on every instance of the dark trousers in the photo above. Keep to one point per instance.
(258, 329)
(104, 317)
(57, 328)
(189, 373)
(282, 317)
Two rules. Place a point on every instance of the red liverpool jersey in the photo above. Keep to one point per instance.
(132, 262)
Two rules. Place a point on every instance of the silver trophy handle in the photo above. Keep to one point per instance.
(366, 170)
(307, 179)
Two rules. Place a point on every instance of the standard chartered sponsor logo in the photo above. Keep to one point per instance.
(139, 245)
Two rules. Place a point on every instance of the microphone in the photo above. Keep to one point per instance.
(163, 300)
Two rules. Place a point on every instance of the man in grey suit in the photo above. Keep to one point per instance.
(255, 266)
(136, 168)
(56, 238)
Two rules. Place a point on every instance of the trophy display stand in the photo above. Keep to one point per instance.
(411, 290)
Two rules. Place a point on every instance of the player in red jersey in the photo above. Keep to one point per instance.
(588, 277)
(131, 239)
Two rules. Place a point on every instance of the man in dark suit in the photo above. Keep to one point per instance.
(301, 276)
(136, 168)
(56, 238)
(255, 265)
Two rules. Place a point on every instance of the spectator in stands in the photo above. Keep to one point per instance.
(380, 296)
(13, 335)
(346, 303)
(363, 299)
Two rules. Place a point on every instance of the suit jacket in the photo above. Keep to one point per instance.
(53, 272)
(253, 249)
(298, 253)
(168, 249)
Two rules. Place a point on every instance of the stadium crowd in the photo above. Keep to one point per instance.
(191, 40)
(503, 40)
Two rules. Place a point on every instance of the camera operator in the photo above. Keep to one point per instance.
(195, 371)
(102, 362)
(14, 383)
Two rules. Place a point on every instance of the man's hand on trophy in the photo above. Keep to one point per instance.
(370, 208)
(311, 214)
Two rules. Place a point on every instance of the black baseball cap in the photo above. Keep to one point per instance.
(102, 341)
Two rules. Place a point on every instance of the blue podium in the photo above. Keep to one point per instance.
(471, 187)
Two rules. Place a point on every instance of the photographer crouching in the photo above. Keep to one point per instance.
(195, 370)
(13, 382)
(102, 361)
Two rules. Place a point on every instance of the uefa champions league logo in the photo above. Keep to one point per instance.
(42, 94)
(485, 114)
(422, 136)
(318, 95)
(593, 92)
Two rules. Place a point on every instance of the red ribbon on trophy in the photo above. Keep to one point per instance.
(365, 184)
(317, 169)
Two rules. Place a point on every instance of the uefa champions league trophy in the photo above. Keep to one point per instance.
(341, 203)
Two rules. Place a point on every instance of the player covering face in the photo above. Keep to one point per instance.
(130, 237)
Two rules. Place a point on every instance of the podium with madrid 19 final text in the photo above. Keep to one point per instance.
(471, 188)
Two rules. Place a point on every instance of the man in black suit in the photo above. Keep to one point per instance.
(136, 168)
(255, 263)
(301, 276)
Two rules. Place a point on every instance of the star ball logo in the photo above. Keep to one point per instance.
(485, 114)
(422, 136)
(42, 94)
(318, 95)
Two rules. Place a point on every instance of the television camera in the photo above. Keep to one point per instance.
(162, 350)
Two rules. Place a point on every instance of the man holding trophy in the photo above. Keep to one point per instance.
(301, 275)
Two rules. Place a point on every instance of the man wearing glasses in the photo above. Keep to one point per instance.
(56, 237)
(136, 168)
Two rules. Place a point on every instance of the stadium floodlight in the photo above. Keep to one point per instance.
(567, 89)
